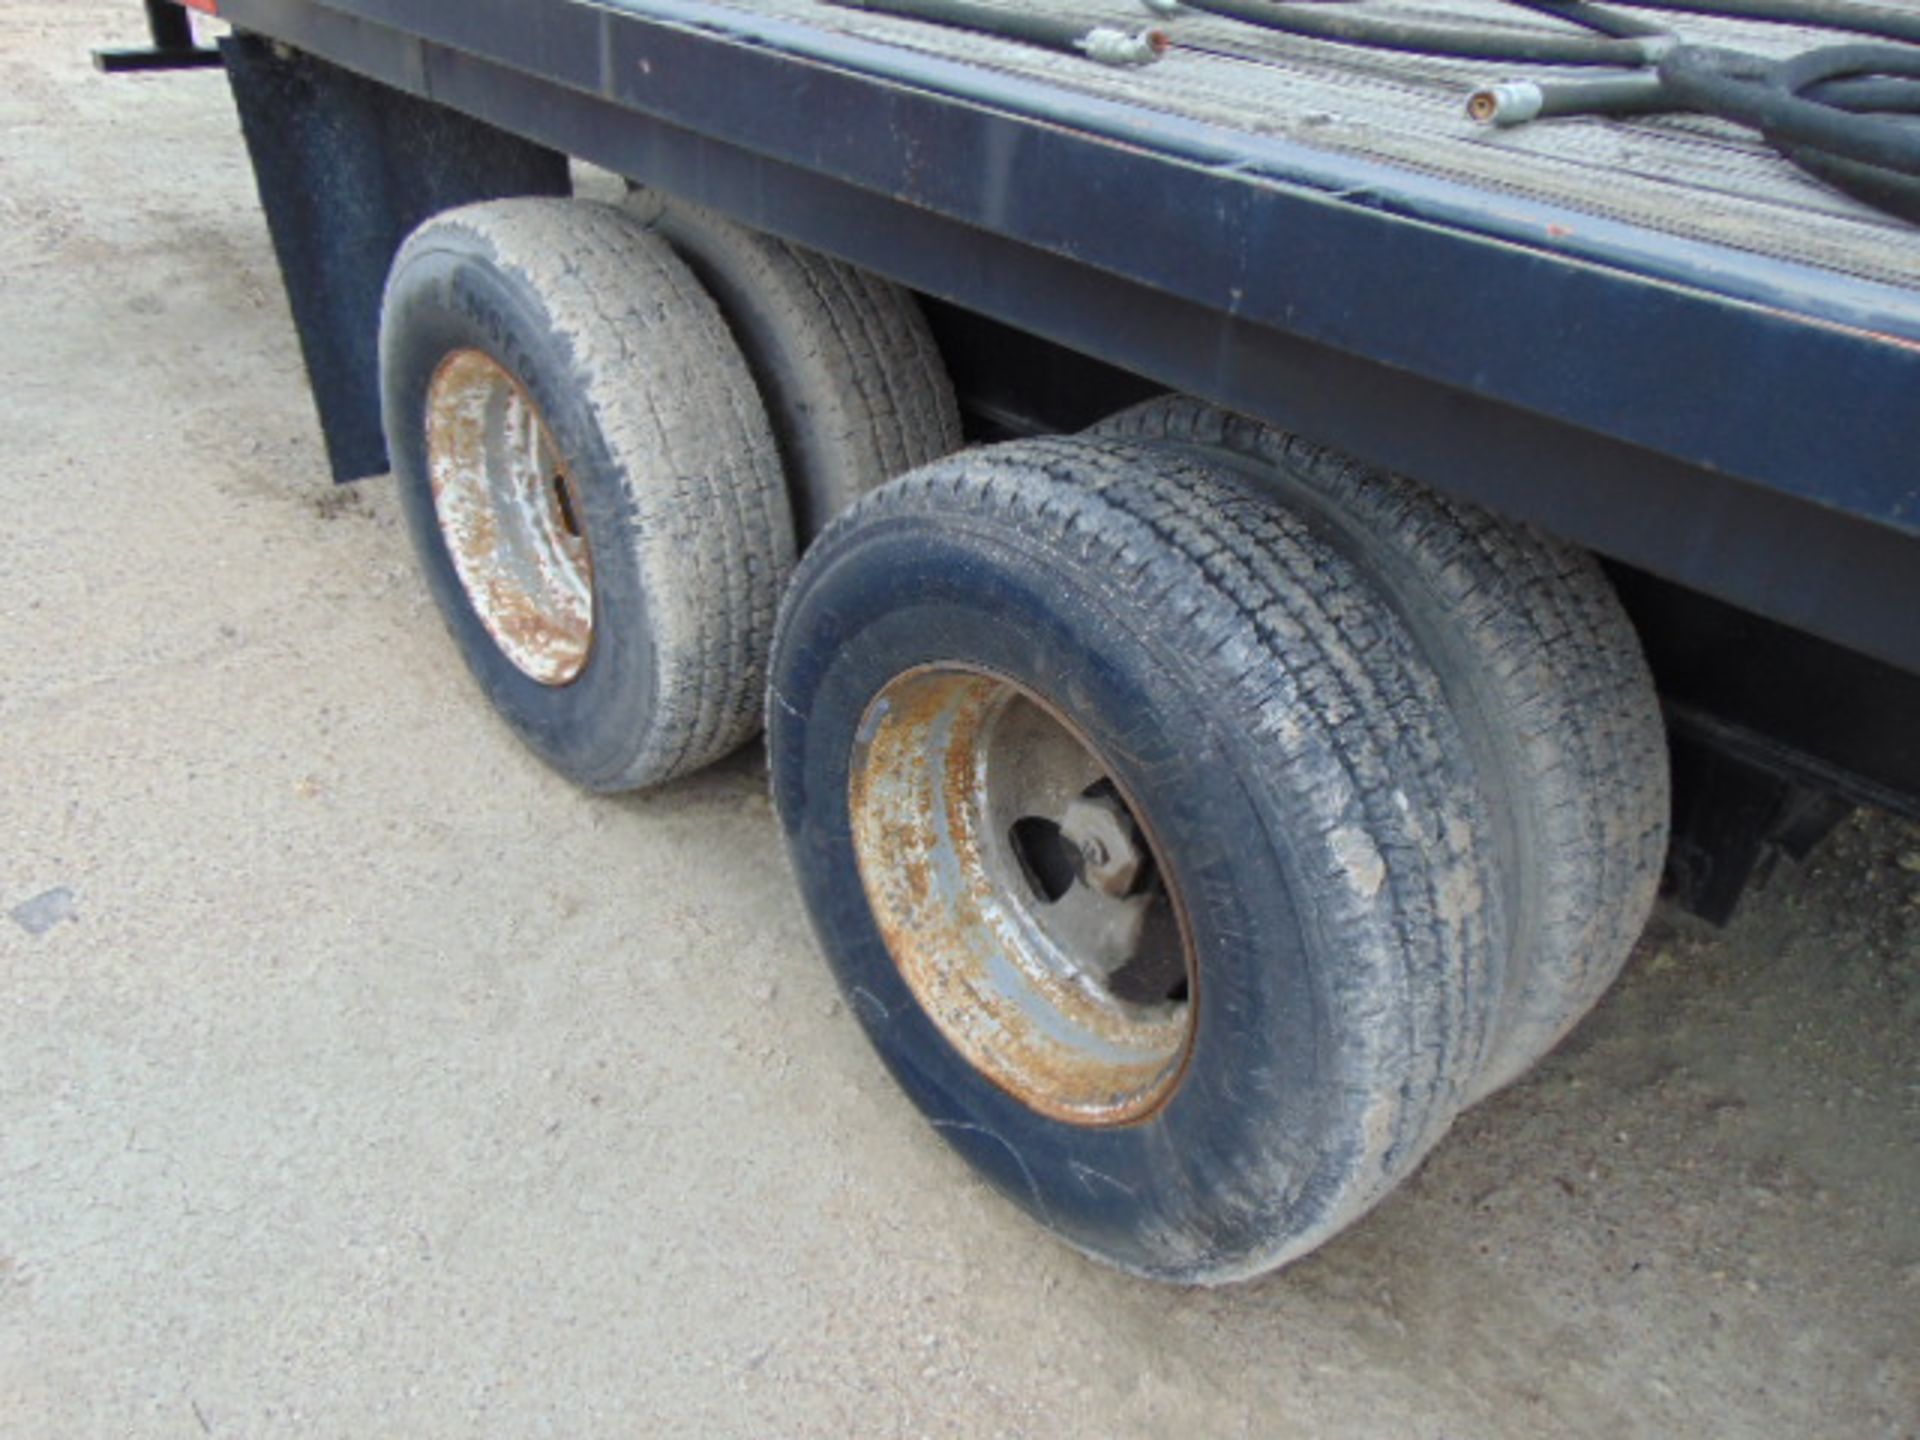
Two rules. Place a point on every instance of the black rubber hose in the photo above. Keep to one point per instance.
(1857, 79)
(1888, 24)
(1844, 113)
(1340, 25)
(1887, 190)
(1767, 96)
(1644, 93)
(1854, 77)
(1841, 113)
(1867, 95)
(1074, 37)
(1617, 39)
(1596, 18)
(1518, 102)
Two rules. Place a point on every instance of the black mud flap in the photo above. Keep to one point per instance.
(346, 169)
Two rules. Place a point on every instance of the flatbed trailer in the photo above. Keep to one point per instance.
(1652, 338)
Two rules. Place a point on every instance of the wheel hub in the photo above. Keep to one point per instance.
(1020, 895)
(510, 516)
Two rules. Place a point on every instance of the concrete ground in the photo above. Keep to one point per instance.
(358, 1077)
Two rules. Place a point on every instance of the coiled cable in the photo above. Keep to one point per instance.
(1613, 39)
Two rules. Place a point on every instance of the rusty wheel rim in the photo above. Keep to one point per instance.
(1021, 895)
(510, 517)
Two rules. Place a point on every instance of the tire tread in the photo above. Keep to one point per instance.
(1532, 635)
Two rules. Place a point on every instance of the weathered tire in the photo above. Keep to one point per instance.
(1546, 674)
(846, 366)
(1303, 787)
(668, 481)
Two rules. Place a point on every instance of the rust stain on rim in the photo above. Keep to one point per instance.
(1022, 972)
(510, 515)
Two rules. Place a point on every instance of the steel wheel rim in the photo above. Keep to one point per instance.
(510, 517)
(1021, 895)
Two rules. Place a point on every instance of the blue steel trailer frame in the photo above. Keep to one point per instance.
(1740, 425)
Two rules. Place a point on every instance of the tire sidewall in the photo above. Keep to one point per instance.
(1249, 1157)
(453, 294)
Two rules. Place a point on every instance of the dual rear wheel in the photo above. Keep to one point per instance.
(1198, 821)
(612, 439)
(1195, 820)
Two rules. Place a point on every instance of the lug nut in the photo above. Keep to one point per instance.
(1100, 828)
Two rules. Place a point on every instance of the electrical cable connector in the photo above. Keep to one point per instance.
(1505, 103)
(1117, 47)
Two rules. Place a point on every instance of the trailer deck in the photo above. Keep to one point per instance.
(1689, 176)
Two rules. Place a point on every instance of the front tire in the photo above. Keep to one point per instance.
(1287, 770)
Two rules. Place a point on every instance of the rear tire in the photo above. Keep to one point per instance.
(1300, 789)
(616, 606)
(846, 366)
(1545, 672)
